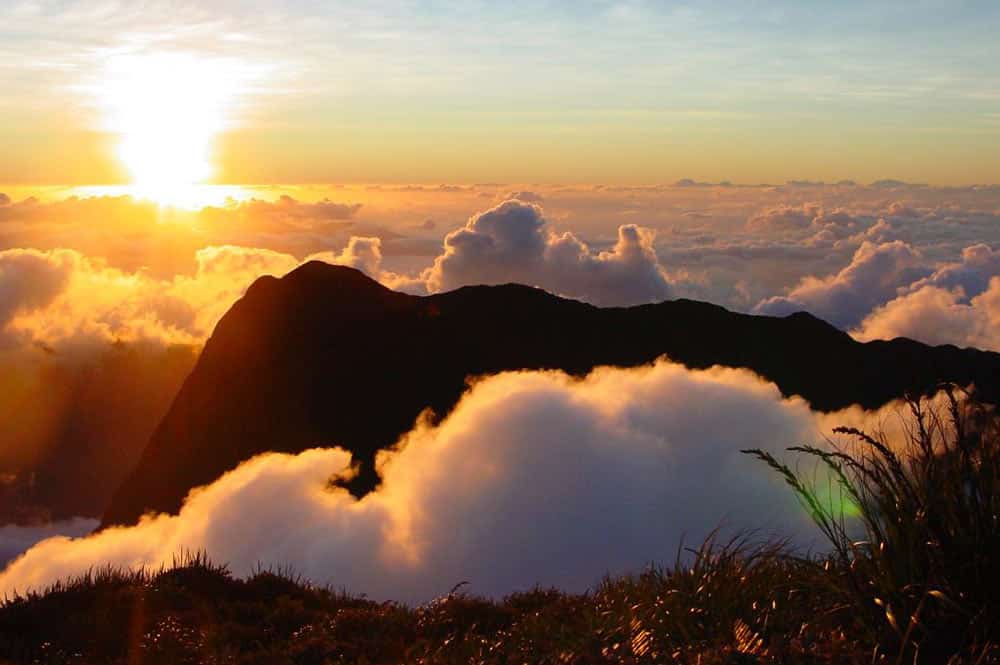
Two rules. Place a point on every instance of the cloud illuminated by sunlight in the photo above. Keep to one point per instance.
(167, 110)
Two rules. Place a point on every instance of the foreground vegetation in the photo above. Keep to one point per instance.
(919, 586)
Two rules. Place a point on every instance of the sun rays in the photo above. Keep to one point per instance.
(166, 112)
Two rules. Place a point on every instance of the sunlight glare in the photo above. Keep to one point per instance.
(167, 110)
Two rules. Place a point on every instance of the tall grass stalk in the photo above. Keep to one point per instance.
(923, 580)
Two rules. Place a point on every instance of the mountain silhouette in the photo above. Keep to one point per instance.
(328, 356)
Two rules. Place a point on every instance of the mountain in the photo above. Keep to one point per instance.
(327, 356)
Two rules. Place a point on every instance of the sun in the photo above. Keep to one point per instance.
(166, 111)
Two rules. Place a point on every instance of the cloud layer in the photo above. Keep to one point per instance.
(100, 293)
(535, 477)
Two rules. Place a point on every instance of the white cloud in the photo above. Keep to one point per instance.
(875, 275)
(514, 243)
(890, 290)
(784, 218)
(972, 274)
(535, 477)
(936, 315)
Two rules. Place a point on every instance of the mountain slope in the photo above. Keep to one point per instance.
(327, 356)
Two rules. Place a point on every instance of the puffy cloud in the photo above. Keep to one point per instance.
(833, 228)
(784, 218)
(935, 315)
(30, 279)
(889, 290)
(900, 209)
(824, 227)
(134, 234)
(875, 275)
(364, 254)
(524, 195)
(535, 477)
(809, 224)
(4, 199)
(63, 297)
(972, 274)
(882, 231)
(513, 243)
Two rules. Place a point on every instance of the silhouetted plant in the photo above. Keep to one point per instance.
(923, 581)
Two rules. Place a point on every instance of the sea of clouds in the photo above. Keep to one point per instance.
(861, 257)
(105, 300)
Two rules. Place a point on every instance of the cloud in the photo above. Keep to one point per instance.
(535, 477)
(875, 275)
(784, 218)
(30, 280)
(90, 357)
(972, 274)
(889, 290)
(882, 231)
(513, 242)
(104, 286)
(936, 315)
(64, 297)
(901, 209)
(833, 228)
(824, 227)
(364, 254)
(524, 195)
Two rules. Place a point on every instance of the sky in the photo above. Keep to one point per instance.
(554, 92)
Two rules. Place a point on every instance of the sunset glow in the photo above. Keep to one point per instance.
(654, 330)
(166, 112)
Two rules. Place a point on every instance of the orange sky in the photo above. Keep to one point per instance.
(617, 92)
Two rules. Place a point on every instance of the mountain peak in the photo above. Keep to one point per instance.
(328, 356)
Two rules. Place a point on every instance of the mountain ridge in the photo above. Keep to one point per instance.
(327, 356)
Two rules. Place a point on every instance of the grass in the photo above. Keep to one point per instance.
(923, 578)
(917, 586)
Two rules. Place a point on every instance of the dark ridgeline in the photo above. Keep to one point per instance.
(327, 356)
